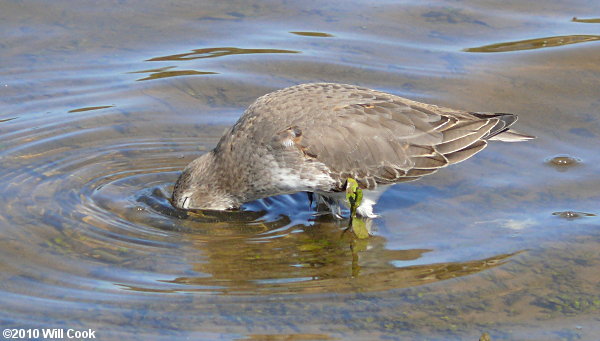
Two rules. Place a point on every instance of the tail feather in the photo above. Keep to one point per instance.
(501, 131)
(511, 136)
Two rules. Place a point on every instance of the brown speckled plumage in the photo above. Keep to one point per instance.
(312, 137)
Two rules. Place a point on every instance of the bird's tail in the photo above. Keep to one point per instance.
(501, 131)
(511, 136)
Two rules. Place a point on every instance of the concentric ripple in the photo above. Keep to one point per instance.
(97, 196)
(102, 106)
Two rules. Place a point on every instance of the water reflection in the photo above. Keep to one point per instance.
(312, 34)
(215, 52)
(571, 215)
(244, 254)
(110, 204)
(586, 21)
(91, 108)
(166, 72)
(310, 260)
(537, 43)
(88, 237)
(288, 337)
(562, 163)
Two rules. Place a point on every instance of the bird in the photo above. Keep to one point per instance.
(313, 137)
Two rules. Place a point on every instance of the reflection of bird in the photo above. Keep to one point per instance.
(312, 137)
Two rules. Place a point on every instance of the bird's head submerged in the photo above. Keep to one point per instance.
(199, 187)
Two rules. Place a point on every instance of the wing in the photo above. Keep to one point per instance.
(372, 136)
(389, 140)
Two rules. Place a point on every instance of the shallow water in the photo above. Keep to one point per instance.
(102, 105)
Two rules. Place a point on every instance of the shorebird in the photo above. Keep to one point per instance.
(313, 137)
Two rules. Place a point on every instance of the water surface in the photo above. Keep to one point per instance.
(103, 104)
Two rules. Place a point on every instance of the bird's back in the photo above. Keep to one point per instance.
(374, 137)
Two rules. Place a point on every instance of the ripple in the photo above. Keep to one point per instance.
(90, 239)
(91, 108)
(571, 215)
(203, 53)
(563, 162)
(166, 72)
(586, 21)
(393, 278)
(107, 204)
(312, 34)
(531, 44)
(214, 52)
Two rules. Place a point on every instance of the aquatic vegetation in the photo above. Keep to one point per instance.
(354, 195)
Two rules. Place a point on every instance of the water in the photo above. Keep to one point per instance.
(104, 103)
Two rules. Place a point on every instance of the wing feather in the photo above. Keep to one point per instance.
(468, 138)
(372, 136)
